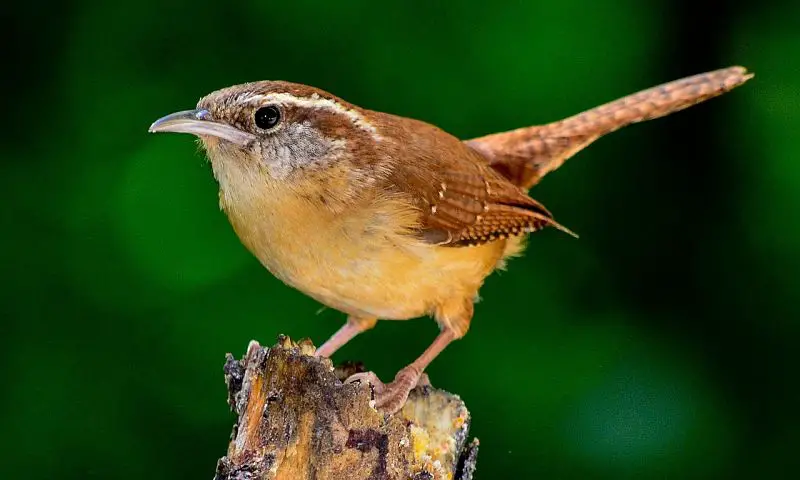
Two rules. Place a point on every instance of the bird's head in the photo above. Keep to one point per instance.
(282, 130)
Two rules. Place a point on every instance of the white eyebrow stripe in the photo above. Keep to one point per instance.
(315, 101)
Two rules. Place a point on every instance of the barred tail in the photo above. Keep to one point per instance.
(525, 155)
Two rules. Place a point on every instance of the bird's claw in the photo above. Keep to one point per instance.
(390, 397)
(367, 377)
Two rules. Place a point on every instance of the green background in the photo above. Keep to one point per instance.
(661, 344)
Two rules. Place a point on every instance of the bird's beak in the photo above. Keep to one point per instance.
(199, 122)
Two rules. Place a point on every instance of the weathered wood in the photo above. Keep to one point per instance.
(297, 420)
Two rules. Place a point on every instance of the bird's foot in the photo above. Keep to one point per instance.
(390, 397)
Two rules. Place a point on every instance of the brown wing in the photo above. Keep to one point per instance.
(525, 155)
(462, 200)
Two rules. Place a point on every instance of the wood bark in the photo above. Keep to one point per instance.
(296, 419)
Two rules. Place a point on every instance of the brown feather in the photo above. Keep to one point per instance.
(525, 155)
(461, 199)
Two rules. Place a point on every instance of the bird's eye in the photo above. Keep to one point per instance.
(267, 117)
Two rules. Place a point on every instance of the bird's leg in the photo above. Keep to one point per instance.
(454, 321)
(350, 329)
(391, 397)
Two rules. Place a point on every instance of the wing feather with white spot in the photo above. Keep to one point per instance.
(464, 202)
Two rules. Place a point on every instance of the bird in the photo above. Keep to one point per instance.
(385, 217)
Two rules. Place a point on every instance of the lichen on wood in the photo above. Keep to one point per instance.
(298, 420)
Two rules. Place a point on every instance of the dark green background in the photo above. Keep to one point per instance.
(662, 344)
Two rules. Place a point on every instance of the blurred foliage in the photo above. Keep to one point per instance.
(661, 344)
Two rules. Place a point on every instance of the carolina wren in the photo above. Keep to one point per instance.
(385, 217)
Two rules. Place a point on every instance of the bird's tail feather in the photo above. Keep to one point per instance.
(525, 155)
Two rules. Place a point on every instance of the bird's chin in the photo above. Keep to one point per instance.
(220, 147)
(209, 142)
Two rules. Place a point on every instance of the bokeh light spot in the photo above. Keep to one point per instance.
(649, 414)
(631, 416)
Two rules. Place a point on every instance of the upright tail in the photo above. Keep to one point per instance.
(525, 155)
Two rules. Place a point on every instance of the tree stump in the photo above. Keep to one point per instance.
(297, 420)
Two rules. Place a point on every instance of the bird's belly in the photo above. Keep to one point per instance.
(396, 279)
(361, 264)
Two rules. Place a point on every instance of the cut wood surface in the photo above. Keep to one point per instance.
(297, 420)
